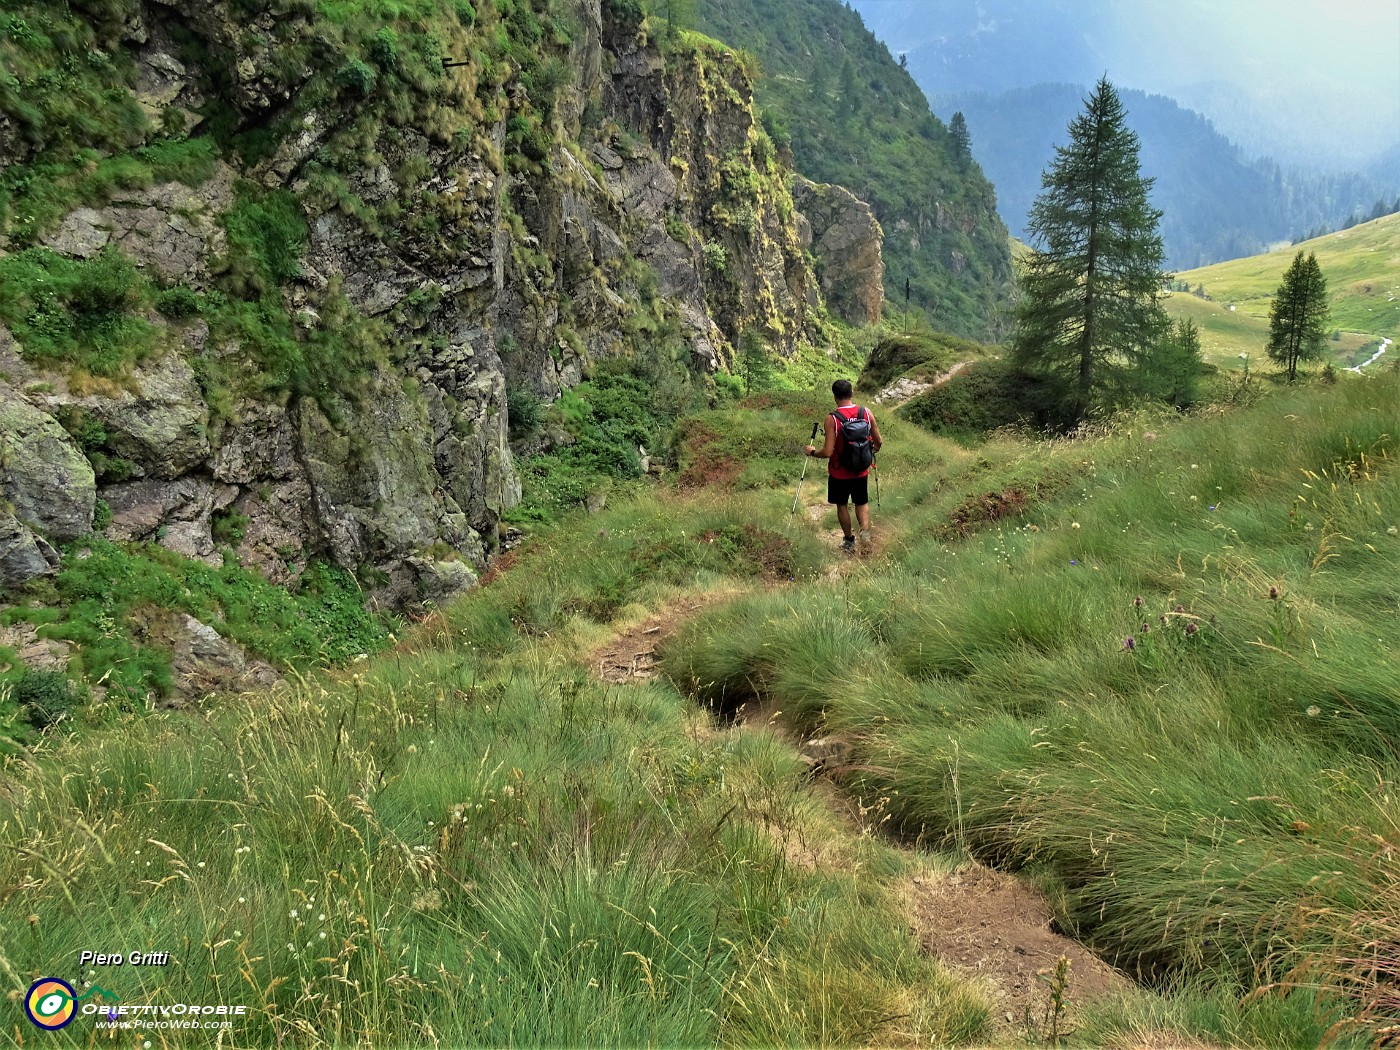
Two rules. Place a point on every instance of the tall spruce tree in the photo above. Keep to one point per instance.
(1298, 316)
(962, 140)
(1090, 318)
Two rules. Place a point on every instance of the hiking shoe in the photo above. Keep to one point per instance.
(848, 544)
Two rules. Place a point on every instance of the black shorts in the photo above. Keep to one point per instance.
(839, 490)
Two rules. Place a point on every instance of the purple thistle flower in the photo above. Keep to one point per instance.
(1179, 609)
(1128, 643)
(1273, 594)
(1145, 628)
(1191, 629)
(1137, 602)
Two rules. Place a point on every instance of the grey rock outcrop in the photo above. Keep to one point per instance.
(846, 238)
(656, 201)
(23, 555)
(170, 228)
(44, 477)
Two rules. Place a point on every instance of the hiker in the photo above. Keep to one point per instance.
(852, 439)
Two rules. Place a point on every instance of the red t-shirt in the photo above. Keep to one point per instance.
(833, 465)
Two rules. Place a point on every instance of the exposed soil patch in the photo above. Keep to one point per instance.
(984, 509)
(632, 655)
(705, 468)
(770, 551)
(991, 925)
(500, 565)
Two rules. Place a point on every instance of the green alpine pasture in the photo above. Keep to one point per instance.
(1362, 269)
(469, 839)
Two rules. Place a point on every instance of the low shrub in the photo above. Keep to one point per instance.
(78, 312)
(45, 696)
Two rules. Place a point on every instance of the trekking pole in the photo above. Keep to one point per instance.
(811, 441)
(875, 467)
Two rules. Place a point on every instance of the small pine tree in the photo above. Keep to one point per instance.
(755, 366)
(850, 95)
(1298, 316)
(679, 15)
(1090, 315)
(1173, 367)
(962, 141)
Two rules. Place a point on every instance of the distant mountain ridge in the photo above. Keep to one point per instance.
(1217, 204)
(1282, 82)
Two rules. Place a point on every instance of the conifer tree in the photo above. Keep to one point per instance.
(679, 15)
(850, 96)
(1172, 371)
(962, 141)
(1090, 316)
(1298, 316)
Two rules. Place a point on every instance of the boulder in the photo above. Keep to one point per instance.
(23, 555)
(43, 474)
(206, 662)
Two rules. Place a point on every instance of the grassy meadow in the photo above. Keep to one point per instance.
(1155, 670)
(1362, 267)
(469, 839)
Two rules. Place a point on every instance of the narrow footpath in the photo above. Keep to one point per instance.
(979, 922)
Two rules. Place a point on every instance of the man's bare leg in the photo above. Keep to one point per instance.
(843, 515)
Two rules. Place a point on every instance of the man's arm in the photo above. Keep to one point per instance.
(875, 439)
(828, 448)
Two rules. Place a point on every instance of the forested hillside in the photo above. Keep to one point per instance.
(853, 116)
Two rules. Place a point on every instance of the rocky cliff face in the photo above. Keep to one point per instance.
(845, 235)
(329, 255)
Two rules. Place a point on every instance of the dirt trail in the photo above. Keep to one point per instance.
(989, 924)
(630, 655)
(984, 923)
(842, 561)
(904, 388)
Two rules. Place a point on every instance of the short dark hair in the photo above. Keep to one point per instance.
(841, 389)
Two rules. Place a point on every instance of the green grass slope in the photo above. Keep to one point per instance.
(470, 840)
(1159, 668)
(1362, 267)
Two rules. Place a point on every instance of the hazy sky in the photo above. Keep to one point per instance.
(1353, 43)
(1317, 68)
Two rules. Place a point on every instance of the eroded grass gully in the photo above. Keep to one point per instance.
(983, 924)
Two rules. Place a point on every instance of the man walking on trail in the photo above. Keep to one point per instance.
(852, 439)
